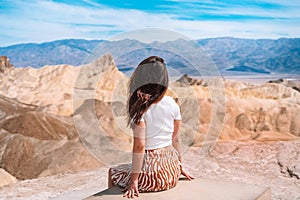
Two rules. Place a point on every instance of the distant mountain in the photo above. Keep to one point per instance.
(230, 55)
(261, 56)
(71, 51)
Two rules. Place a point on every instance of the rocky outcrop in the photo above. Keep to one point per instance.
(253, 121)
(266, 112)
(49, 87)
(52, 87)
(269, 91)
(186, 79)
(274, 117)
(5, 64)
(287, 83)
(38, 135)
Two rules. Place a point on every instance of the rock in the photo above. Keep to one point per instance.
(269, 91)
(186, 79)
(5, 64)
(287, 83)
(52, 87)
(38, 136)
(252, 121)
(48, 87)
(276, 81)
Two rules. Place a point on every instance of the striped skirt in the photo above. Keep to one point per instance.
(160, 171)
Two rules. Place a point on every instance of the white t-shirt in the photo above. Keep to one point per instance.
(159, 119)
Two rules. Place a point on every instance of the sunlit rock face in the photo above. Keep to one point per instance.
(38, 136)
(259, 112)
(52, 87)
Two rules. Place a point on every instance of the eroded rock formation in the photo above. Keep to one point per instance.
(5, 64)
(42, 112)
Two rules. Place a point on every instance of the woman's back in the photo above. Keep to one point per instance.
(159, 119)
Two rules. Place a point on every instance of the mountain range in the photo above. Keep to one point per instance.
(230, 55)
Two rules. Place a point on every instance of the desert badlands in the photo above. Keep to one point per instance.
(51, 119)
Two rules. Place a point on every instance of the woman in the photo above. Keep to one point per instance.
(155, 120)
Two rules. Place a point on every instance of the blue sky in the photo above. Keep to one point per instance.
(24, 21)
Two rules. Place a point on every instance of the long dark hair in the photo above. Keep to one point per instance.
(148, 83)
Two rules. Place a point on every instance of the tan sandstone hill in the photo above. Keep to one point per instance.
(38, 136)
(267, 112)
(52, 87)
(36, 143)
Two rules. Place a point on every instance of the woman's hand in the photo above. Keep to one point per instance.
(184, 173)
(132, 190)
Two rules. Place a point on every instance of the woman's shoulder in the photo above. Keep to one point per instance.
(169, 99)
(173, 106)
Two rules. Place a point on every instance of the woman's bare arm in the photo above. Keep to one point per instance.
(176, 145)
(175, 137)
(138, 149)
(137, 159)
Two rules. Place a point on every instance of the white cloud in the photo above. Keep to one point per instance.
(39, 21)
(266, 8)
